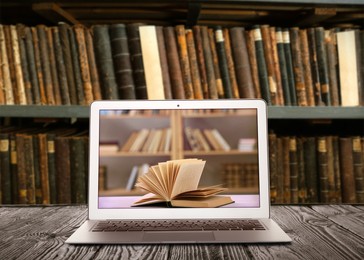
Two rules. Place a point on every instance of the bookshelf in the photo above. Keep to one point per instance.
(230, 13)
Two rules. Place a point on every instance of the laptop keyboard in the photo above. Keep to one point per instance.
(177, 225)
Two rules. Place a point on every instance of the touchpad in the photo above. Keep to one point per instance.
(178, 236)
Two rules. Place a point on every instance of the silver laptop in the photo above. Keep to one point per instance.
(128, 137)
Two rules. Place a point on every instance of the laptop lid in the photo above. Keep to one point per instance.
(241, 165)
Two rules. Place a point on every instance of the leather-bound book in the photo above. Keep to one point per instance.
(197, 34)
(84, 63)
(174, 66)
(230, 63)
(195, 73)
(293, 168)
(277, 69)
(347, 170)
(209, 64)
(78, 169)
(95, 82)
(322, 160)
(330, 169)
(298, 67)
(61, 68)
(273, 164)
(261, 65)
(302, 187)
(323, 65)
(5, 187)
(314, 66)
(36, 168)
(29, 168)
(122, 63)
(8, 87)
(137, 60)
(280, 171)
(164, 63)
(80, 92)
(64, 37)
(11, 62)
(289, 65)
(184, 60)
(306, 63)
(250, 44)
(51, 159)
(45, 65)
(332, 64)
(286, 170)
(14, 168)
(63, 169)
(104, 61)
(21, 174)
(241, 61)
(358, 169)
(43, 163)
(223, 64)
(215, 59)
(311, 174)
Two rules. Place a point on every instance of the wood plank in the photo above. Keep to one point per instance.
(54, 13)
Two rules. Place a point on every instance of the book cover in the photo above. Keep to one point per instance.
(323, 171)
(347, 170)
(289, 65)
(276, 66)
(11, 62)
(5, 179)
(215, 59)
(358, 169)
(332, 63)
(230, 64)
(8, 88)
(176, 184)
(250, 44)
(195, 73)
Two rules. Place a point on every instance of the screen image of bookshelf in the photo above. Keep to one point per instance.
(131, 142)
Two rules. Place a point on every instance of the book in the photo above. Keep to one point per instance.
(78, 169)
(250, 44)
(358, 169)
(151, 61)
(5, 180)
(293, 168)
(195, 73)
(276, 67)
(289, 65)
(215, 59)
(132, 178)
(8, 88)
(10, 62)
(230, 63)
(332, 63)
(176, 182)
(347, 170)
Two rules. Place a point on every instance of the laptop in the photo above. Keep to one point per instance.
(128, 137)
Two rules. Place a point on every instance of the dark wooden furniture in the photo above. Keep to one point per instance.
(318, 232)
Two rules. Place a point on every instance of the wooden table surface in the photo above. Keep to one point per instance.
(318, 232)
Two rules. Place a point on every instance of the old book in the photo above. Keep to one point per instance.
(61, 68)
(14, 168)
(21, 173)
(29, 168)
(64, 37)
(286, 169)
(273, 164)
(84, 64)
(121, 59)
(322, 65)
(8, 87)
(268, 54)
(215, 59)
(19, 78)
(209, 64)
(299, 78)
(223, 64)
(197, 34)
(43, 162)
(322, 160)
(95, 82)
(2, 93)
(38, 66)
(261, 65)
(53, 67)
(349, 84)
(337, 173)
(175, 183)
(104, 60)
(45, 65)
(51, 167)
(306, 64)
(277, 69)
(195, 73)
(332, 63)
(151, 61)
(230, 63)
(289, 65)
(78, 167)
(347, 170)
(360, 58)
(250, 44)
(137, 60)
(132, 178)
(314, 66)
(332, 196)
(311, 174)
(63, 169)
(36, 168)
(293, 168)
(10, 62)
(241, 61)
(184, 61)
(164, 63)
(77, 74)
(358, 169)
(5, 179)
(174, 66)
(280, 171)
(302, 187)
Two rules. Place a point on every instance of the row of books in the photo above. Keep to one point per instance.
(43, 166)
(205, 140)
(285, 66)
(240, 175)
(316, 169)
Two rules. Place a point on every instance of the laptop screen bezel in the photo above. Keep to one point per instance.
(262, 211)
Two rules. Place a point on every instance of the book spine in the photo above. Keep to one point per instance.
(11, 63)
(322, 65)
(250, 44)
(337, 173)
(215, 59)
(273, 164)
(184, 60)
(209, 64)
(21, 177)
(78, 170)
(286, 170)
(84, 63)
(197, 33)
(51, 168)
(332, 198)
(174, 66)
(223, 64)
(293, 168)
(137, 60)
(241, 61)
(289, 65)
(310, 161)
(302, 187)
(322, 159)
(36, 167)
(358, 169)
(261, 65)
(195, 73)
(14, 168)
(5, 189)
(2, 88)
(104, 62)
(300, 86)
(230, 63)
(8, 88)
(347, 170)
(63, 170)
(29, 168)
(277, 69)
(332, 63)
(43, 162)
(121, 58)
(61, 68)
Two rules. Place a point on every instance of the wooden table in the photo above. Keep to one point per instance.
(318, 232)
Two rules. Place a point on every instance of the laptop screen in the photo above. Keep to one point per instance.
(132, 141)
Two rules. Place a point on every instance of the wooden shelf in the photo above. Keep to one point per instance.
(215, 153)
